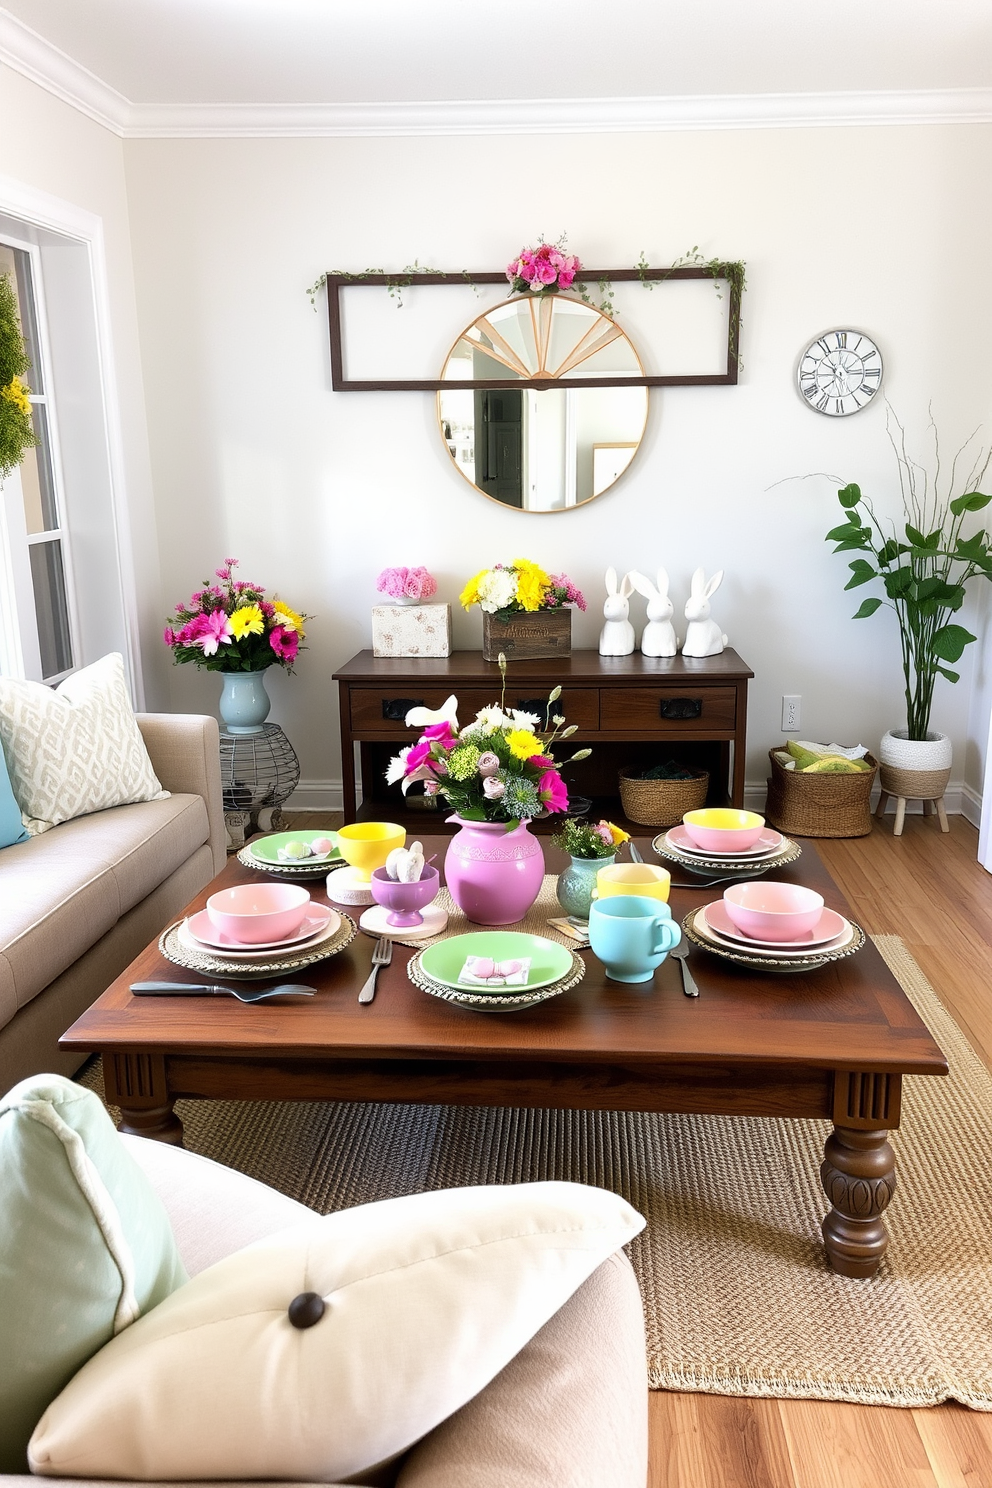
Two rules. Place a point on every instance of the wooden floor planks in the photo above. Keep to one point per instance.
(929, 888)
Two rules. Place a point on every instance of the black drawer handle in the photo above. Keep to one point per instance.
(396, 709)
(540, 706)
(681, 707)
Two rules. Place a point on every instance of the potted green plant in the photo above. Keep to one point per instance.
(924, 566)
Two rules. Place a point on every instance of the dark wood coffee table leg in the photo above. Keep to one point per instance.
(859, 1178)
(137, 1084)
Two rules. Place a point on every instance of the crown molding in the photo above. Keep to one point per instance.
(33, 57)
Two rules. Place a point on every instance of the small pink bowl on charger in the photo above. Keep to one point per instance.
(251, 913)
(723, 829)
(773, 911)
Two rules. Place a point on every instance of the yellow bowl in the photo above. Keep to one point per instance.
(367, 845)
(646, 880)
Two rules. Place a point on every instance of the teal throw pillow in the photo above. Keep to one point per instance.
(11, 826)
(85, 1247)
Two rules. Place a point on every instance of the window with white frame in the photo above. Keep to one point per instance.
(38, 635)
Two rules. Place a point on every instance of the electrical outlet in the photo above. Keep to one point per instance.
(790, 714)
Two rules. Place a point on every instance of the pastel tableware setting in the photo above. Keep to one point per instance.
(777, 926)
(631, 935)
(257, 913)
(768, 842)
(315, 921)
(496, 970)
(723, 829)
(365, 846)
(405, 910)
(287, 855)
(830, 927)
(769, 850)
(773, 911)
(642, 880)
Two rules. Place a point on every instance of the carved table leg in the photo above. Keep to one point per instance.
(137, 1084)
(859, 1178)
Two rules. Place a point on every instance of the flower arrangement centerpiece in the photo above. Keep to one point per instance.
(590, 848)
(545, 269)
(525, 611)
(407, 586)
(230, 627)
(16, 422)
(498, 773)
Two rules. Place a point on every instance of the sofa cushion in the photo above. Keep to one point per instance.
(62, 891)
(11, 826)
(74, 749)
(334, 1346)
(85, 1246)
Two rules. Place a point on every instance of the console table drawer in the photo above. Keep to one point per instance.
(670, 710)
(378, 710)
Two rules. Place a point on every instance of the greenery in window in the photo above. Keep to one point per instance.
(16, 426)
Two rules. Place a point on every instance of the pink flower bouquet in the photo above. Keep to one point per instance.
(543, 270)
(406, 585)
(232, 627)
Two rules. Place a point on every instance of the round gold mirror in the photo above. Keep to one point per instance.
(550, 448)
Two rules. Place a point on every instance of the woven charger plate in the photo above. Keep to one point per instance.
(287, 870)
(491, 1002)
(173, 950)
(769, 963)
(787, 853)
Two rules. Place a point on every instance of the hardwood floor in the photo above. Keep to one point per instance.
(930, 889)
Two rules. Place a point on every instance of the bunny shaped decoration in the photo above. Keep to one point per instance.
(617, 636)
(703, 636)
(658, 637)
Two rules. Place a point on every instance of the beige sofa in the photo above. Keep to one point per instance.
(570, 1411)
(79, 902)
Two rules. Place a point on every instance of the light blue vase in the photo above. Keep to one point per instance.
(244, 702)
(576, 883)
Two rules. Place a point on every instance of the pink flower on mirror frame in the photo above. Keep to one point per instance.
(553, 791)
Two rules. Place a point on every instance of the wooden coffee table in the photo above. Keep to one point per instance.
(832, 1043)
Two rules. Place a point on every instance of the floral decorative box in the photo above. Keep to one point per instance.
(411, 630)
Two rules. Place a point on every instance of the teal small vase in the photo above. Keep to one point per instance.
(576, 883)
(244, 702)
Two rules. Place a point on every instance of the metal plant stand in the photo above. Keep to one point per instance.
(258, 773)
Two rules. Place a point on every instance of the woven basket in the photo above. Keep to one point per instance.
(820, 805)
(661, 803)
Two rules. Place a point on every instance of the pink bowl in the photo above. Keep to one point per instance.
(723, 829)
(258, 912)
(767, 910)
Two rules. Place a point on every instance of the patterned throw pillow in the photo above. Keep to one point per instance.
(74, 749)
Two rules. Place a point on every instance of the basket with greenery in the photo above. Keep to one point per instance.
(16, 421)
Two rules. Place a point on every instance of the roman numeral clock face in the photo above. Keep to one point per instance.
(840, 372)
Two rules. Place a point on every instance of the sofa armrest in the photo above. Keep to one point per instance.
(184, 749)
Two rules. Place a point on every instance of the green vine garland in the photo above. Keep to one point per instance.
(16, 425)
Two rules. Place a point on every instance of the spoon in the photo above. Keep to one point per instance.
(197, 989)
(681, 952)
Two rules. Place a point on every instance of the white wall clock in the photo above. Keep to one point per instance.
(840, 372)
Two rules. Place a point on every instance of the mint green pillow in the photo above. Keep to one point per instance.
(85, 1247)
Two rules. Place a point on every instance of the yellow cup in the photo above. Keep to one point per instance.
(367, 845)
(644, 879)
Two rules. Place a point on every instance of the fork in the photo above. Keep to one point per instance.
(381, 956)
(203, 989)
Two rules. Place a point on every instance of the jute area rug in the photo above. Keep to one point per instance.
(737, 1294)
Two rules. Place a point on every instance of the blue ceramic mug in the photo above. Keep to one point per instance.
(631, 935)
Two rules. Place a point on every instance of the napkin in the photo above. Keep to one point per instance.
(483, 971)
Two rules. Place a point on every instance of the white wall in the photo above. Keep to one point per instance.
(52, 148)
(254, 456)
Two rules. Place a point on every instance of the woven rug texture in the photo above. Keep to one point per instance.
(738, 1297)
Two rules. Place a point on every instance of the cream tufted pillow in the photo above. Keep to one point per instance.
(333, 1346)
(74, 749)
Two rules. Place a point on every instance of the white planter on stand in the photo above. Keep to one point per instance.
(914, 770)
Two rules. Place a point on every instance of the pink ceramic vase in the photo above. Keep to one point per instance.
(493, 875)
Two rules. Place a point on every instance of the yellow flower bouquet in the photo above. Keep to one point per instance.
(520, 587)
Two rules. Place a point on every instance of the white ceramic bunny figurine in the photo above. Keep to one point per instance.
(703, 636)
(617, 636)
(658, 637)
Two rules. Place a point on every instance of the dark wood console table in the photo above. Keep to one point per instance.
(631, 710)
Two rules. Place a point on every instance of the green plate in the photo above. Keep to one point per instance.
(266, 849)
(548, 960)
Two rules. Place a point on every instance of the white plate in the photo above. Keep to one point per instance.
(769, 842)
(327, 927)
(704, 929)
(829, 926)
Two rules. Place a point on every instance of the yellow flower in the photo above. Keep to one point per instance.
(617, 833)
(531, 583)
(470, 594)
(523, 743)
(248, 620)
(16, 392)
(288, 618)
